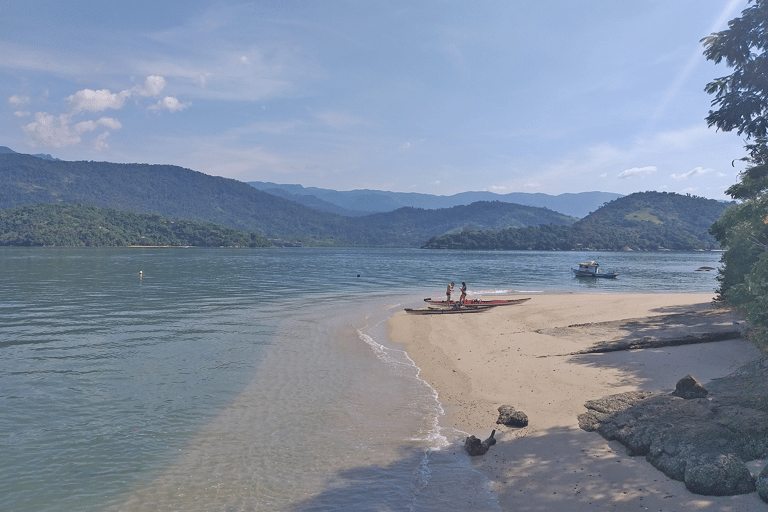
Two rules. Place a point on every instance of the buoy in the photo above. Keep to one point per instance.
(141, 273)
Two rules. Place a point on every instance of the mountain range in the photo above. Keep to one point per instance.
(364, 202)
(178, 193)
(659, 220)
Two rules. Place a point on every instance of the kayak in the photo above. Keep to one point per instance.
(481, 302)
(447, 311)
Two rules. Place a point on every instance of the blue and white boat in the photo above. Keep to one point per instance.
(591, 269)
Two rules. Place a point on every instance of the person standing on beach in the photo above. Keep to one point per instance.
(463, 297)
(448, 292)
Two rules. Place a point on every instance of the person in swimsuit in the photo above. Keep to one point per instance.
(448, 293)
(463, 297)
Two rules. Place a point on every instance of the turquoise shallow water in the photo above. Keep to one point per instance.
(234, 379)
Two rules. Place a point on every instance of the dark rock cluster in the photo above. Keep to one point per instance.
(702, 438)
(512, 418)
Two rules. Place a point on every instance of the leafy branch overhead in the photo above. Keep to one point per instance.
(741, 101)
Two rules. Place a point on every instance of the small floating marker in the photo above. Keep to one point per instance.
(141, 273)
(358, 275)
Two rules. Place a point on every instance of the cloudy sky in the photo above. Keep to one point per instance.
(426, 96)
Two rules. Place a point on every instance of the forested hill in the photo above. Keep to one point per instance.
(89, 226)
(165, 190)
(178, 193)
(644, 221)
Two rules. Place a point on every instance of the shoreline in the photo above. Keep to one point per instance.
(523, 356)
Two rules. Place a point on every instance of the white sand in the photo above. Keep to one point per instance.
(480, 361)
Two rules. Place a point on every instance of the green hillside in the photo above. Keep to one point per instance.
(166, 190)
(644, 221)
(178, 193)
(84, 225)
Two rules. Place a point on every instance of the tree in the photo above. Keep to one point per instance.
(740, 96)
(741, 99)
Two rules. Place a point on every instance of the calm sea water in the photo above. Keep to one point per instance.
(235, 379)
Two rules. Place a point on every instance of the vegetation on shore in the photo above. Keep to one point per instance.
(742, 105)
(644, 221)
(85, 225)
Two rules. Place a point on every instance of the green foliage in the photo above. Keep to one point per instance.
(742, 98)
(644, 221)
(84, 225)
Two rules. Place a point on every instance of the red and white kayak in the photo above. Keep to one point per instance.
(480, 302)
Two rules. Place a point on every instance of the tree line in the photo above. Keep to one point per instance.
(82, 225)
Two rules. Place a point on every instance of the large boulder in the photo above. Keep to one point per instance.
(512, 418)
(688, 387)
(717, 474)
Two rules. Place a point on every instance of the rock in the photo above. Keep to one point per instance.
(599, 410)
(510, 417)
(703, 442)
(762, 484)
(688, 387)
(717, 474)
(474, 447)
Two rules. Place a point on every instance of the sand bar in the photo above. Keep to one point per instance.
(523, 356)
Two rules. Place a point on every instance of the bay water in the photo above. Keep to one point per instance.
(250, 379)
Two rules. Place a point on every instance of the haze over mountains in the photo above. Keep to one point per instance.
(364, 202)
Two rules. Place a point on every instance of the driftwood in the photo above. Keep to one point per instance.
(475, 447)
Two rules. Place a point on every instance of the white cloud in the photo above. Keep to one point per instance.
(153, 86)
(96, 101)
(693, 172)
(58, 132)
(17, 101)
(21, 113)
(100, 142)
(49, 130)
(637, 171)
(62, 130)
(169, 103)
(532, 185)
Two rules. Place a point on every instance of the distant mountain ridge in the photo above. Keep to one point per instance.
(4, 149)
(178, 193)
(363, 202)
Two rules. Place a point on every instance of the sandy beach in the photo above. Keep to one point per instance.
(523, 356)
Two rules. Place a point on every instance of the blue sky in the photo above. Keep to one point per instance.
(437, 97)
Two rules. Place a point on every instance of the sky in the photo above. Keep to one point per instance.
(436, 97)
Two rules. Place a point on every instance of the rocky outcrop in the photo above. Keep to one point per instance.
(512, 418)
(703, 442)
(474, 447)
